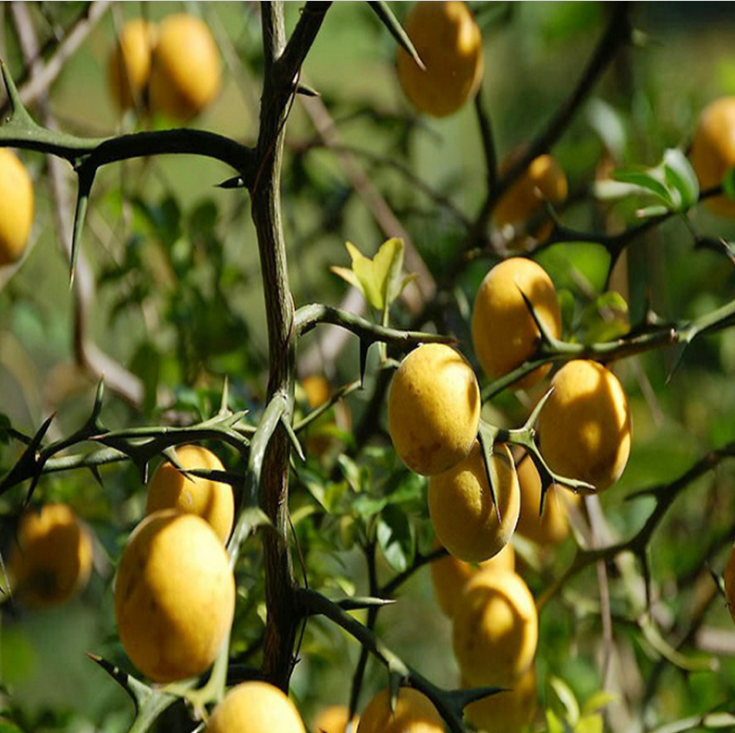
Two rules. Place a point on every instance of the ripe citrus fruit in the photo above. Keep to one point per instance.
(729, 577)
(507, 712)
(449, 42)
(321, 433)
(174, 596)
(543, 180)
(52, 559)
(713, 151)
(211, 500)
(433, 409)
(495, 629)
(552, 526)
(465, 519)
(255, 707)
(185, 71)
(129, 63)
(504, 333)
(584, 428)
(449, 575)
(334, 719)
(16, 207)
(414, 713)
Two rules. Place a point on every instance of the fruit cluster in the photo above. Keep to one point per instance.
(476, 503)
(173, 68)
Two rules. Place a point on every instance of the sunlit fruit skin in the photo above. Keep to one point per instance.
(510, 711)
(433, 409)
(543, 181)
(212, 500)
(495, 629)
(52, 558)
(448, 40)
(16, 207)
(186, 69)
(713, 151)
(465, 519)
(552, 526)
(174, 596)
(334, 719)
(129, 63)
(414, 713)
(504, 332)
(255, 707)
(449, 575)
(584, 428)
(729, 578)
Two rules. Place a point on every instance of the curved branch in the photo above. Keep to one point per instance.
(309, 316)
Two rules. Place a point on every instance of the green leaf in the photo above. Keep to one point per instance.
(378, 279)
(562, 700)
(396, 538)
(681, 176)
(590, 724)
(598, 700)
(673, 182)
(728, 184)
(648, 179)
(553, 723)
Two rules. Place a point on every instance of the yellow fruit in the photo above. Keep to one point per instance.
(52, 559)
(317, 389)
(543, 180)
(584, 427)
(211, 500)
(433, 409)
(320, 434)
(174, 596)
(334, 719)
(504, 333)
(16, 207)
(185, 71)
(552, 526)
(129, 63)
(449, 42)
(255, 707)
(729, 577)
(462, 511)
(495, 629)
(507, 712)
(713, 151)
(414, 713)
(449, 575)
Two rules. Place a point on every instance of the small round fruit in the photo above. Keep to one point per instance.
(129, 63)
(552, 526)
(713, 151)
(433, 409)
(255, 707)
(465, 519)
(495, 629)
(16, 207)
(334, 719)
(185, 71)
(52, 559)
(584, 427)
(211, 500)
(414, 713)
(543, 181)
(449, 42)
(174, 596)
(504, 332)
(729, 577)
(507, 712)
(449, 575)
